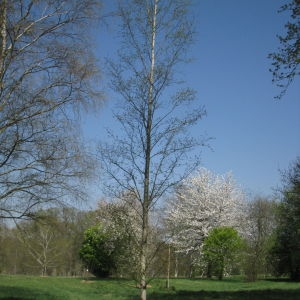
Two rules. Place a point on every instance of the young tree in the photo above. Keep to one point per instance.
(42, 242)
(47, 74)
(151, 154)
(220, 249)
(286, 250)
(286, 61)
(204, 201)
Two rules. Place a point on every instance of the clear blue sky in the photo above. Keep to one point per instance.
(254, 134)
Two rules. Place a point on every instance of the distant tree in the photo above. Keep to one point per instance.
(47, 75)
(42, 242)
(259, 225)
(286, 60)
(3, 234)
(150, 156)
(11, 254)
(204, 201)
(72, 224)
(220, 249)
(122, 220)
(286, 250)
(98, 251)
(47, 245)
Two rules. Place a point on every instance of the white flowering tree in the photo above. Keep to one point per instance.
(121, 222)
(203, 202)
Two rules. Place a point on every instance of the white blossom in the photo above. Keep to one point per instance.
(204, 201)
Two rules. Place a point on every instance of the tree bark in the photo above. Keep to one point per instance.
(147, 199)
(3, 39)
(169, 266)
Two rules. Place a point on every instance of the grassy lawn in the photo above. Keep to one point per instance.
(30, 287)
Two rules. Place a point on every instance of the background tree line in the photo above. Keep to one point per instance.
(45, 246)
(260, 238)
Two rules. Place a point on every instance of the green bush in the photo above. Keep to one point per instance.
(97, 251)
(221, 249)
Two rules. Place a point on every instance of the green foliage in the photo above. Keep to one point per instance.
(97, 251)
(286, 250)
(122, 221)
(220, 249)
(259, 237)
(47, 245)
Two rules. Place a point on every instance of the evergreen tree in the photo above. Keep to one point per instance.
(286, 249)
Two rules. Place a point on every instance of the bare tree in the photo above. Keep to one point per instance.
(47, 73)
(259, 224)
(41, 243)
(286, 60)
(151, 154)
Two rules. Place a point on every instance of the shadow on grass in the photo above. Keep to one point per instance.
(279, 280)
(274, 294)
(14, 293)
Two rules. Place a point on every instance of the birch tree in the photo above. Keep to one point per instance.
(204, 201)
(47, 73)
(41, 241)
(150, 155)
(285, 252)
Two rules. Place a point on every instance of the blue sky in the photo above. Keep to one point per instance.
(254, 135)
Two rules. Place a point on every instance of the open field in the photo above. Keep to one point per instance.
(30, 287)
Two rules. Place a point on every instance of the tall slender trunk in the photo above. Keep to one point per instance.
(3, 35)
(146, 196)
(221, 271)
(169, 267)
(176, 266)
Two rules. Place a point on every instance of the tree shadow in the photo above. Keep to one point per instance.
(14, 293)
(274, 294)
(279, 280)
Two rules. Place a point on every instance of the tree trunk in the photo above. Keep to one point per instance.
(147, 199)
(2, 39)
(169, 265)
(176, 266)
(209, 270)
(221, 271)
(143, 258)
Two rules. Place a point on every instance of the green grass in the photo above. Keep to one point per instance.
(30, 287)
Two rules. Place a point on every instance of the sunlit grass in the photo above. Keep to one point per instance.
(31, 287)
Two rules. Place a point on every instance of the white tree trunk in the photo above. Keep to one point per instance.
(147, 200)
(3, 38)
